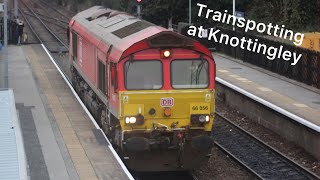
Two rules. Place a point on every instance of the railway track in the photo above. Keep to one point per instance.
(59, 13)
(259, 158)
(41, 30)
(54, 21)
(43, 34)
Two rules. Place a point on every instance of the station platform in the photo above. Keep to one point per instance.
(60, 140)
(295, 97)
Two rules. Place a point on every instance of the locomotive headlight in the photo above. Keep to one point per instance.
(207, 118)
(130, 120)
(202, 118)
(127, 120)
(133, 120)
(165, 53)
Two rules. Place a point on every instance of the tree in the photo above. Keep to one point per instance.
(299, 15)
(124, 4)
(164, 12)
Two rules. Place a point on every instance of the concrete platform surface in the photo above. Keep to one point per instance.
(294, 97)
(60, 140)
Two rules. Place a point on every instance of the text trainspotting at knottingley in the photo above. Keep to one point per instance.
(248, 43)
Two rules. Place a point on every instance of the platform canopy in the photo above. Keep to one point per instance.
(12, 154)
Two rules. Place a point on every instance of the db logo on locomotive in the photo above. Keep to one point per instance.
(166, 102)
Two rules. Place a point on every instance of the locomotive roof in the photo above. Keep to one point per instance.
(122, 30)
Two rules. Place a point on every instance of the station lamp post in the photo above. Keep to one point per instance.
(15, 8)
(234, 11)
(139, 8)
(189, 12)
(4, 61)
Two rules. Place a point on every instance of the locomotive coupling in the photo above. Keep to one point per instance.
(137, 144)
(140, 144)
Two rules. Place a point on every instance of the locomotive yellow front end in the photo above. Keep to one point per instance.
(171, 128)
(166, 110)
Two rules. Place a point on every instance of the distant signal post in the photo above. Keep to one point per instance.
(139, 8)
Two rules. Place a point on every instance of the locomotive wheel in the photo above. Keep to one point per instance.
(73, 77)
(104, 123)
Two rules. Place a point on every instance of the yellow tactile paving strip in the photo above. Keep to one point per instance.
(78, 155)
(278, 99)
(91, 159)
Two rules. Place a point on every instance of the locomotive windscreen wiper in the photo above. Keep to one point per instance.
(127, 67)
(195, 71)
(198, 71)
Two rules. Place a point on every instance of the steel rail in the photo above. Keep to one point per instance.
(32, 29)
(193, 175)
(278, 156)
(45, 26)
(48, 5)
(49, 21)
(49, 17)
(237, 160)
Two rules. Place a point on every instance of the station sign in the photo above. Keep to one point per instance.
(239, 14)
(204, 33)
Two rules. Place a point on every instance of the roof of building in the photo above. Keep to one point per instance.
(12, 154)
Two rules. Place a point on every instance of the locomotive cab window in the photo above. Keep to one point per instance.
(189, 74)
(143, 74)
(74, 45)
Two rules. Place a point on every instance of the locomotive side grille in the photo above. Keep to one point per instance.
(132, 28)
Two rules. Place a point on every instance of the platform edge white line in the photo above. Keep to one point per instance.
(270, 105)
(124, 168)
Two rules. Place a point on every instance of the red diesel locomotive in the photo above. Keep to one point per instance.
(150, 89)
